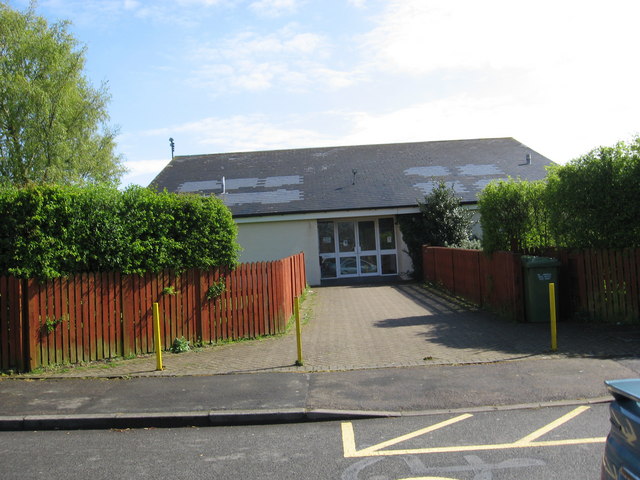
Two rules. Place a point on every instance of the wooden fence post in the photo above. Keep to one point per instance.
(126, 306)
(20, 319)
(31, 321)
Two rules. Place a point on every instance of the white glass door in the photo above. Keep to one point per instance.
(367, 248)
(356, 248)
(347, 258)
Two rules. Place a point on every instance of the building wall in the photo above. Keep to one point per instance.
(477, 226)
(405, 265)
(274, 240)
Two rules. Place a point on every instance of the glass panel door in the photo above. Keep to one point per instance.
(387, 234)
(387, 239)
(327, 248)
(346, 237)
(351, 248)
(348, 261)
(367, 235)
(326, 237)
(367, 251)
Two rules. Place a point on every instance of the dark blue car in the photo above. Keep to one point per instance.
(621, 459)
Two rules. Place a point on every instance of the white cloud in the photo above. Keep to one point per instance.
(130, 4)
(559, 133)
(559, 73)
(142, 167)
(142, 172)
(285, 58)
(274, 8)
(239, 133)
(357, 3)
(416, 36)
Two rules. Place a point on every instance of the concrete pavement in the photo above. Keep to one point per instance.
(368, 350)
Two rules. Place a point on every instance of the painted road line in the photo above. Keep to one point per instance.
(349, 442)
(350, 450)
(353, 453)
(417, 433)
(553, 425)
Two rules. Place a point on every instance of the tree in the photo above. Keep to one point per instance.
(593, 200)
(53, 123)
(442, 221)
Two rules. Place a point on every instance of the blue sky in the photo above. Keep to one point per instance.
(560, 76)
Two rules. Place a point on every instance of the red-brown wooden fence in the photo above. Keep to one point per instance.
(601, 285)
(93, 316)
(494, 282)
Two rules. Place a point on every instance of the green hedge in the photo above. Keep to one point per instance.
(591, 202)
(51, 231)
(514, 215)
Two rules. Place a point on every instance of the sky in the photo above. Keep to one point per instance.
(560, 76)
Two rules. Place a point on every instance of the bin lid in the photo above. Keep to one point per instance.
(529, 261)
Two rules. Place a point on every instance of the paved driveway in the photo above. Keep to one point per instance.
(368, 326)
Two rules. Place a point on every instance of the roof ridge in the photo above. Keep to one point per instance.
(329, 147)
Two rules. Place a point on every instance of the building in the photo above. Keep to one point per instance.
(340, 204)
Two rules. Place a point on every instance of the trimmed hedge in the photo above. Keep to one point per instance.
(514, 215)
(51, 231)
(591, 202)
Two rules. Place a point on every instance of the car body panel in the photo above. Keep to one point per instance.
(621, 459)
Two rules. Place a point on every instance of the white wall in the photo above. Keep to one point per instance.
(405, 265)
(275, 240)
(477, 226)
(272, 240)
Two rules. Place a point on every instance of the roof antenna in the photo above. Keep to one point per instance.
(354, 171)
(173, 147)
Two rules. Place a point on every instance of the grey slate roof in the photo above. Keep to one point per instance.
(322, 179)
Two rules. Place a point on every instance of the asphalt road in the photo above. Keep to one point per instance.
(554, 442)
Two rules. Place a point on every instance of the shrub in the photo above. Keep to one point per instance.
(514, 215)
(593, 200)
(180, 345)
(51, 231)
(442, 221)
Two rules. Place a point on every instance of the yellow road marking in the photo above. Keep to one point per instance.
(350, 451)
(555, 424)
(348, 440)
(417, 433)
(477, 448)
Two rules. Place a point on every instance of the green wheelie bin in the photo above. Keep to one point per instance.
(539, 272)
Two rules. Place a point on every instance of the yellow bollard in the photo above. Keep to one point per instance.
(552, 307)
(296, 307)
(157, 336)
